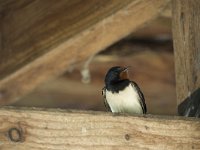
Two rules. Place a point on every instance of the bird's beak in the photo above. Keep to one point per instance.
(126, 69)
(124, 73)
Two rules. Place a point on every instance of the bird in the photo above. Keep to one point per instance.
(120, 94)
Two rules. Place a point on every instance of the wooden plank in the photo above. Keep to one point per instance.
(44, 38)
(38, 25)
(23, 128)
(186, 36)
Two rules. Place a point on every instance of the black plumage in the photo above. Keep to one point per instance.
(116, 83)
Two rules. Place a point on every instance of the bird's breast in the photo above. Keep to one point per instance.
(125, 101)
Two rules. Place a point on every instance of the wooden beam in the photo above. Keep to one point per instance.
(42, 39)
(186, 37)
(23, 128)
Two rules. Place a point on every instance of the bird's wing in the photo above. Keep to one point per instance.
(105, 101)
(141, 100)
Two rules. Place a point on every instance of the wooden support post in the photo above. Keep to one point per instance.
(186, 37)
(30, 129)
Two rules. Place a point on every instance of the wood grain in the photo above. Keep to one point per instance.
(67, 129)
(39, 25)
(42, 39)
(186, 27)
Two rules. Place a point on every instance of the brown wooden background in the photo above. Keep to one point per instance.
(148, 50)
(45, 45)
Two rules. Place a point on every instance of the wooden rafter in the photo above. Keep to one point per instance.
(42, 39)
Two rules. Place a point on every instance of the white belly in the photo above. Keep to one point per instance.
(126, 101)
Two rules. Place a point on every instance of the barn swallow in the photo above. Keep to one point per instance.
(122, 95)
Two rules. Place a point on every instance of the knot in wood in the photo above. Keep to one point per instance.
(15, 135)
(127, 137)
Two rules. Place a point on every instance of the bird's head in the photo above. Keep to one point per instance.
(116, 74)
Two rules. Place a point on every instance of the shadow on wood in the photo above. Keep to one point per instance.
(190, 107)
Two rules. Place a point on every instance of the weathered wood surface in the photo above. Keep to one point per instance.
(23, 129)
(42, 39)
(186, 37)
